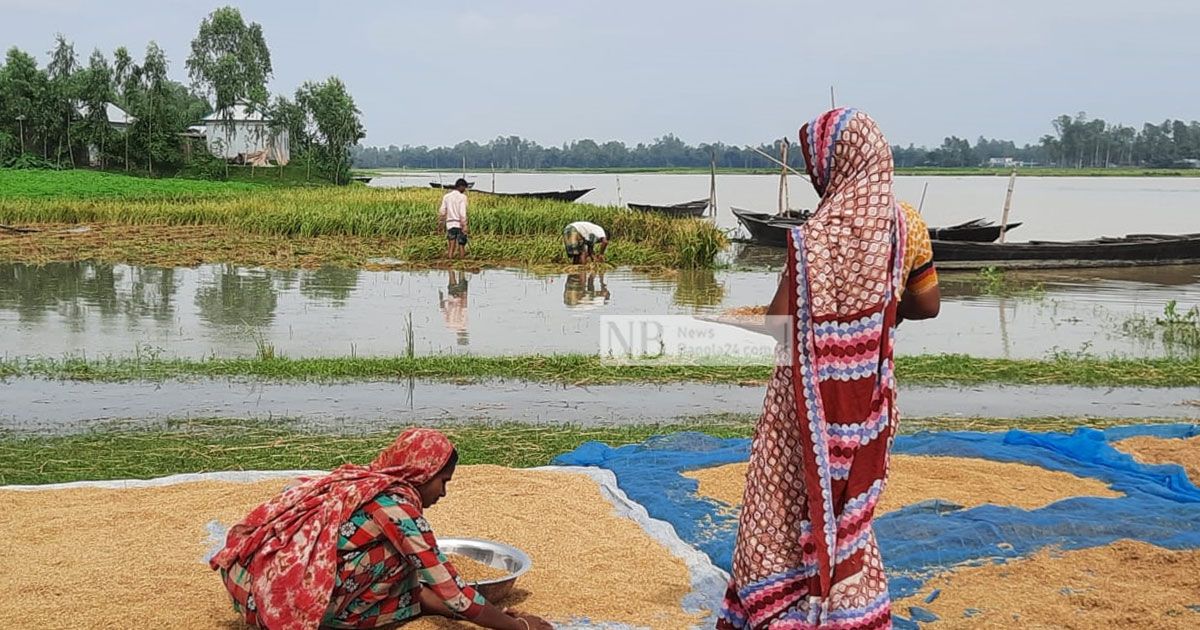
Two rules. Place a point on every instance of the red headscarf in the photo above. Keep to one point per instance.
(289, 544)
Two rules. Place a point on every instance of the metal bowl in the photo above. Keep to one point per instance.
(495, 554)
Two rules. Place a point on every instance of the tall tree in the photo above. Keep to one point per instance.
(25, 101)
(230, 61)
(152, 104)
(95, 93)
(62, 70)
(336, 120)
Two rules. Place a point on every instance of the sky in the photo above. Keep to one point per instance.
(744, 71)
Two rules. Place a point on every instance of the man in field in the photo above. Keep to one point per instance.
(585, 242)
(452, 217)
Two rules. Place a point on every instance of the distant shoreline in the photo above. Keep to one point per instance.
(980, 171)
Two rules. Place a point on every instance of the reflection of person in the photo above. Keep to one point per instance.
(805, 548)
(452, 217)
(351, 549)
(580, 291)
(454, 305)
(585, 242)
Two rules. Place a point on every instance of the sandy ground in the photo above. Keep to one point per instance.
(132, 558)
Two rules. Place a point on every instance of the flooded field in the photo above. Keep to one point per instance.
(1051, 208)
(99, 310)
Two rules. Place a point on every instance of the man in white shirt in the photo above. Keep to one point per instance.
(452, 217)
(585, 242)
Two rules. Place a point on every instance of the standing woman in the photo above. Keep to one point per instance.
(806, 555)
(351, 549)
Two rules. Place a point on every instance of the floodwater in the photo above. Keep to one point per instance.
(45, 406)
(99, 310)
(1051, 208)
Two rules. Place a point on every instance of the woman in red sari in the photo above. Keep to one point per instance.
(352, 549)
(806, 555)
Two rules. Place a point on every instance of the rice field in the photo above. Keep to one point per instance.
(504, 229)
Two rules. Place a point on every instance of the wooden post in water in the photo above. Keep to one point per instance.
(712, 184)
(832, 101)
(1007, 204)
(783, 201)
(925, 189)
(493, 177)
(464, 167)
(619, 191)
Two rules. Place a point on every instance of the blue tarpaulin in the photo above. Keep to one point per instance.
(1159, 506)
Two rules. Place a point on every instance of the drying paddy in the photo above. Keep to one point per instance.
(145, 547)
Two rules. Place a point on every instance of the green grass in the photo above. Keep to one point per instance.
(585, 369)
(214, 445)
(59, 186)
(505, 229)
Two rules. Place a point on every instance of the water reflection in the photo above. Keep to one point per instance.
(79, 290)
(238, 296)
(580, 290)
(217, 310)
(453, 304)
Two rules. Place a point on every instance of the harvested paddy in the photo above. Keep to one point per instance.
(1184, 452)
(1126, 584)
(560, 519)
(958, 480)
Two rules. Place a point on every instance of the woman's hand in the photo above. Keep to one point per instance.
(534, 622)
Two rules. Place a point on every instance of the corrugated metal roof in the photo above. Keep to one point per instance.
(240, 113)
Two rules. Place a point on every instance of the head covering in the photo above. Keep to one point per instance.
(289, 544)
(806, 554)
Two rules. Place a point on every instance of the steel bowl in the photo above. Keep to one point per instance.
(495, 554)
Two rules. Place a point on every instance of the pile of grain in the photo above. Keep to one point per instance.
(1152, 450)
(1126, 584)
(132, 558)
(745, 311)
(473, 571)
(961, 480)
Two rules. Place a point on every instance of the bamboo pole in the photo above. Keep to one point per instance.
(712, 184)
(464, 167)
(924, 190)
(493, 177)
(832, 101)
(772, 158)
(783, 201)
(619, 191)
(1007, 204)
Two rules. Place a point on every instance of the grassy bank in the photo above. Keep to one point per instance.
(585, 369)
(504, 230)
(215, 445)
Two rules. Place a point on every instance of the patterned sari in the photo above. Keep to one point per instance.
(806, 555)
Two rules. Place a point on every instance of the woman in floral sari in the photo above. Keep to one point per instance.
(806, 555)
(352, 549)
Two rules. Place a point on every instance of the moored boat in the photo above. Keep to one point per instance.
(448, 186)
(686, 209)
(557, 195)
(1135, 249)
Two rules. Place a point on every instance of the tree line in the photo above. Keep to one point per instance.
(57, 116)
(1076, 142)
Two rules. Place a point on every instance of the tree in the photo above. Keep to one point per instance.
(95, 93)
(150, 100)
(230, 61)
(25, 92)
(63, 88)
(335, 117)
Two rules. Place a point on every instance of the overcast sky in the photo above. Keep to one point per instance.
(737, 71)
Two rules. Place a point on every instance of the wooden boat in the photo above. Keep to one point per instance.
(366, 179)
(557, 195)
(770, 229)
(448, 186)
(1135, 249)
(977, 231)
(685, 209)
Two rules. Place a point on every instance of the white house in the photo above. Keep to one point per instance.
(247, 134)
(118, 119)
(1002, 161)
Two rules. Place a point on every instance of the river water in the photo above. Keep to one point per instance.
(1051, 208)
(98, 310)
